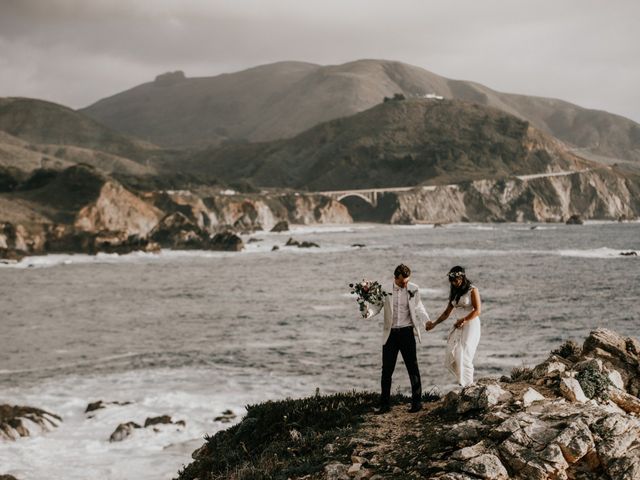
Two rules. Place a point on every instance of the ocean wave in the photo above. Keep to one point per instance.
(603, 252)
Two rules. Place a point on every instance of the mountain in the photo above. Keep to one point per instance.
(41, 122)
(283, 99)
(395, 144)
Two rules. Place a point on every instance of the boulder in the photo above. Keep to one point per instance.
(627, 402)
(281, 226)
(571, 390)
(97, 405)
(486, 466)
(575, 220)
(17, 421)
(227, 241)
(123, 431)
(163, 419)
(530, 396)
(616, 352)
(575, 441)
(481, 397)
(336, 471)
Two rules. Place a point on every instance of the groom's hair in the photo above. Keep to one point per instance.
(403, 270)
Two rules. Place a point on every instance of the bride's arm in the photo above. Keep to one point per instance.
(442, 317)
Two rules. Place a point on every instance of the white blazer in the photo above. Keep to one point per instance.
(419, 315)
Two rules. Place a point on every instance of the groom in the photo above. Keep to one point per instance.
(404, 314)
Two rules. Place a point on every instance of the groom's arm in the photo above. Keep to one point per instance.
(421, 311)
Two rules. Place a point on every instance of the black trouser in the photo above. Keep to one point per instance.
(400, 340)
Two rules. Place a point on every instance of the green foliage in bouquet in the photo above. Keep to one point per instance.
(368, 292)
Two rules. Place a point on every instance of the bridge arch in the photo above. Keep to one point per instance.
(370, 198)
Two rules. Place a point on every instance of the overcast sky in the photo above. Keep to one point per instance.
(75, 52)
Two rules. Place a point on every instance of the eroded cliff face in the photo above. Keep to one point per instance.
(595, 194)
(118, 210)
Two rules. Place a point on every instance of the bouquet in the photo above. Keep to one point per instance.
(368, 292)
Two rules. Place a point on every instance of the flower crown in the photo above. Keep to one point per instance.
(455, 274)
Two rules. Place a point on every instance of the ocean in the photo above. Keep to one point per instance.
(192, 334)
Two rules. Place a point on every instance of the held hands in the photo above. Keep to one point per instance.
(429, 325)
(459, 323)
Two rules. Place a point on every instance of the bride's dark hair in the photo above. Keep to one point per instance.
(456, 293)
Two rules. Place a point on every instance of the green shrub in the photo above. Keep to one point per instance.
(594, 383)
(569, 350)
(521, 374)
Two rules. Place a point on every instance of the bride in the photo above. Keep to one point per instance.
(464, 302)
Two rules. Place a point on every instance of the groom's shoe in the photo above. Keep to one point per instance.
(382, 409)
(415, 408)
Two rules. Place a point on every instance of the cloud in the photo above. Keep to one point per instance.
(76, 52)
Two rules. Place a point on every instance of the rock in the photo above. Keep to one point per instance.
(358, 245)
(571, 390)
(7, 477)
(364, 474)
(308, 245)
(615, 378)
(353, 469)
(593, 363)
(178, 232)
(463, 432)
(469, 452)
(123, 431)
(16, 421)
(481, 397)
(336, 471)
(486, 466)
(631, 253)
(531, 396)
(617, 352)
(281, 226)
(255, 240)
(554, 364)
(94, 406)
(575, 220)
(227, 241)
(100, 404)
(618, 445)
(163, 419)
(575, 441)
(294, 243)
(226, 417)
(274, 248)
(628, 403)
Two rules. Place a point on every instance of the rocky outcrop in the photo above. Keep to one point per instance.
(573, 416)
(281, 226)
(594, 194)
(176, 231)
(117, 210)
(125, 430)
(16, 421)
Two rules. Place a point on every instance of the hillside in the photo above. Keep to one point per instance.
(283, 99)
(397, 143)
(41, 122)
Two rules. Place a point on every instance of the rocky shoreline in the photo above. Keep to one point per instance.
(81, 210)
(574, 416)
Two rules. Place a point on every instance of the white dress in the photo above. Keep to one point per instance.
(462, 342)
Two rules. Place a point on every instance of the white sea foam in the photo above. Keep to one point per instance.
(603, 252)
(79, 448)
